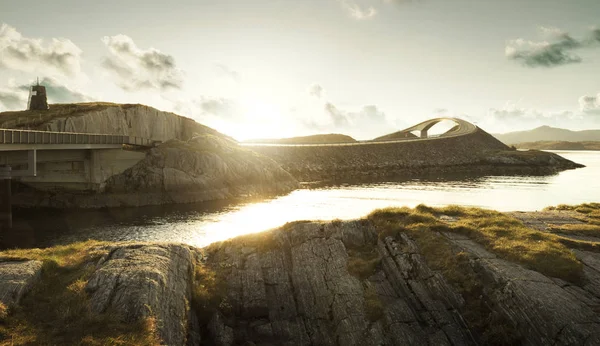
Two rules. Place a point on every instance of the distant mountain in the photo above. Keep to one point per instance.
(547, 133)
(559, 145)
(314, 139)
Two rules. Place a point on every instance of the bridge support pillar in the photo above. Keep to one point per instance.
(423, 133)
(5, 198)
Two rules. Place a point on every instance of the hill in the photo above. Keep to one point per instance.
(559, 145)
(548, 133)
(314, 139)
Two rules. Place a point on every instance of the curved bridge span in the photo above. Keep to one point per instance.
(401, 152)
(462, 128)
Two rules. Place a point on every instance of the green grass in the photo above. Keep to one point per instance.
(57, 310)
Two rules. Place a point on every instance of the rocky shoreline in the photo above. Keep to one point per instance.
(398, 277)
(195, 163)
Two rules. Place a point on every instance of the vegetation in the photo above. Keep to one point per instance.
(503, 235)
(31, 119)
(424, 228)
(363, 262)
(209, 292)
(586, 212)
(57, 310)
(373, 305)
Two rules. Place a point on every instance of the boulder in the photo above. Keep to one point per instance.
(146, 280)
(16, 279)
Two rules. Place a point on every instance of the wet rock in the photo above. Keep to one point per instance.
(146, 280)
(16, 279)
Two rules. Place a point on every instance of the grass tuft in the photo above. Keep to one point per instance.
(503, 235)
(373, 305)
(363, 262)
(57, 310)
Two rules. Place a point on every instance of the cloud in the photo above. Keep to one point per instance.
(220, 107)
(15, 96)
(590, 104)
(556, 51)
(357, 11)
(12, 100)
(226, 71)
(20, 53)
(137, 69)
(316, 90)
(317, 113)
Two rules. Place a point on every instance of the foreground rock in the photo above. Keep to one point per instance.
(146, 280)
(343, 283)
(16, 279)
(299, 292)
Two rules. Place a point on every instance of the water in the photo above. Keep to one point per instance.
(202, 224)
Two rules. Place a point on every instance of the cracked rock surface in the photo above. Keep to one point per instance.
(16, 279)
(298, 291)
(142, 280)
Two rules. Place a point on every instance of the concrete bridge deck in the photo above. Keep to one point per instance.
(462, 128)
(20, 140)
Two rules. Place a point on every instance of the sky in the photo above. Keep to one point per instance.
(282, 68)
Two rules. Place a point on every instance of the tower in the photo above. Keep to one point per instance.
(37, 97)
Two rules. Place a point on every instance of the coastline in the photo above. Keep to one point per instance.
(396, 266)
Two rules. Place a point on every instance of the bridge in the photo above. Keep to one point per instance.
(402, 151)
(19, 141)
(462, 128)
(74, 161)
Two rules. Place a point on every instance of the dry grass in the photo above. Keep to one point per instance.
(421, 225)
(57, 310)
(32, 119)
(505, 236)
(363, 262)
(373, 305)
(209, 292)
(579, 229)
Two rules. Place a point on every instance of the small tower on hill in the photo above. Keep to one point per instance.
(37, 97)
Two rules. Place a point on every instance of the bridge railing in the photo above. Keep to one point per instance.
(10, 136)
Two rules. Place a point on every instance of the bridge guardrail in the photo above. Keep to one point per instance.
(11, 136)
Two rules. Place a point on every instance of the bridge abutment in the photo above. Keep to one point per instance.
(5, 198)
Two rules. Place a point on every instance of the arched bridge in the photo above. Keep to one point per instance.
(462, 128)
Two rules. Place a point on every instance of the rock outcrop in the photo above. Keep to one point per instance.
(16, 279)
(298, 290)
(203, 168)
(107, 118)
(193, 164)
(473, 152)
(147, 280)
(335, 283)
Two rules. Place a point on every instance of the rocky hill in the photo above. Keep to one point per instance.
(559, 145)
(547, 133)
(473, 152)
(194, 163)
(314, 139)
(107, 118)
(445, 276)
